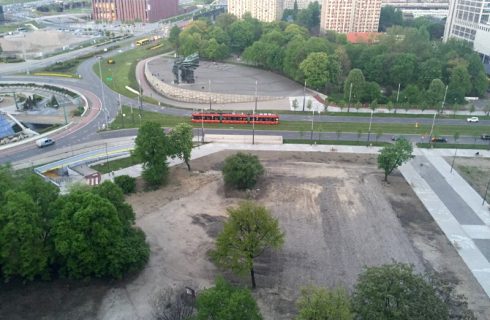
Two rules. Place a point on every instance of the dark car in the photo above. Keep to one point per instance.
(439, 139)
(485, 136)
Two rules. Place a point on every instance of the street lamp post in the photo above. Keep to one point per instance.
(454, 158)
(312, 123)
(350, 96)
(486, 192)
(123, 115)
(304, 96)
(444, 100)
(369, 130)
(397, 96)
(432, 128)
(209, 90)
(202, 124)
(253, 113)
(103, 95)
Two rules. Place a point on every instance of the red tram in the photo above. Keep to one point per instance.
(235, 118)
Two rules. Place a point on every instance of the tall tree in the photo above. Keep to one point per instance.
(225, 302)
(459, 84)
(322, 304)
(396, 292)
(249, 230)
(152, 147)
(181, 142)
(354, 85)
(435, 94)
(22, 250)
(394, 155)
(315, 68)
(91, 240)
(173, 36)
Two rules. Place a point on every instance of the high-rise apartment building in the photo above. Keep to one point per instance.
(345, 16)
(302, 4)
(134, 10)
(469, 20)
(263, 10)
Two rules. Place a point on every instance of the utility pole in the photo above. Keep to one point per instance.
(312, 121)
(454, 158)
(202, 123)
(140, 96)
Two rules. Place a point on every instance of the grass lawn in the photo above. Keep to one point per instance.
(342, 127)
(117, 164)
(70, 66)
(376, 115)
(122, 73)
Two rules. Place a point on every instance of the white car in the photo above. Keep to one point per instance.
(472, 119)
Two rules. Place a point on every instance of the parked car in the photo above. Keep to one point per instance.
(396, 138)
(44, 142)
(439, 139)
(472, 119)
(485, 136)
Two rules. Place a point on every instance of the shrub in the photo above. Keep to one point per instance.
(242, 170)
(126, 183)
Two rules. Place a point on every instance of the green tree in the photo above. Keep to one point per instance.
(242, 170)
(315, 69)
(173, 36)
(403, 70)
(356, 78)
(371, 92)
(396, 292)
(225, 302)
(181, 142)
(394, 155)
(322, 304)
(225, 20)
(22, 250)
(242, 35)
(389, 16)
(309, 17)
(435, 93)
(91, 240)
(112, 192)
(249, 230)
(459, 84)
(126, 183)
(152, 147)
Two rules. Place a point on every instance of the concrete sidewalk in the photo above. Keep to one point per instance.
(451, 201)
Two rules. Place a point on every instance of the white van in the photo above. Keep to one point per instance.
(44, 142)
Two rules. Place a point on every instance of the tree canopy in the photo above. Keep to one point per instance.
(249, 230)
(394, 155)
(242, 170)
(322, 304)
(396, 292)
(225, 302)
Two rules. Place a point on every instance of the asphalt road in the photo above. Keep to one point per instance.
(90, 82)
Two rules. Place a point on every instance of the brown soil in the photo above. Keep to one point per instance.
(337, 214)
(476, 171)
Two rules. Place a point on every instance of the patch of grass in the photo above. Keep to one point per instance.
(477, 177)
(376, 115)
(122, 73)
(337, 142)
(344, 127)
(117, 164)
(452, 146)
(70, 66)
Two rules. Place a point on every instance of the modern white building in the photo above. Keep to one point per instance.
(302, 4)
(346, 16)
(263, 10)
(469, 20)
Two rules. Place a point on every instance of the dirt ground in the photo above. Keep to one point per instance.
(336, 212)
(476, 171)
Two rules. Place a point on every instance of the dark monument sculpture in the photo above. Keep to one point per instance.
(186, 66)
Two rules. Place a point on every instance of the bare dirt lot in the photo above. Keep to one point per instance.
(336, 212)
